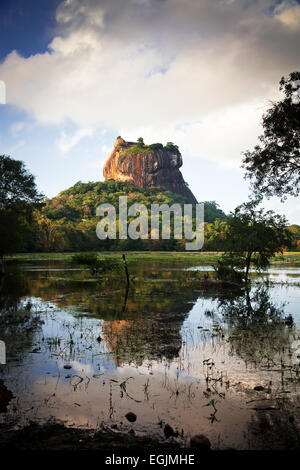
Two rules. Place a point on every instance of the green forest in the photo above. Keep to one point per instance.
(68, 222)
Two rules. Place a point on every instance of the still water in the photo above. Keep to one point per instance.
(173, 350)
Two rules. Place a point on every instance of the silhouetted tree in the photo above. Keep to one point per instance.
(18, 197)
(273, 167)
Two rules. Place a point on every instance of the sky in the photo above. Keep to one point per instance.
(199, 73)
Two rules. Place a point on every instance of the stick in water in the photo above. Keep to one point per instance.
(126, 269)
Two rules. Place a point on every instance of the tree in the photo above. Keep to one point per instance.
(18, 197)
(253, 236)
(212, 212)
(140, 141)
(172, 147)
(47, 234)
(273, 167)
(214, 234)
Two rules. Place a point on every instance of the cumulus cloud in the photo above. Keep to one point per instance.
(288, 12)
(183, 70)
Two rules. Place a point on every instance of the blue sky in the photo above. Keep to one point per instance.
(199, 73)
(26, 25)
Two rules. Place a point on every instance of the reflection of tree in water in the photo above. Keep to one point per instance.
(142, 323)
(261, 334)
(17, 321)
(150, 325)
(258, 329)
(13, 286)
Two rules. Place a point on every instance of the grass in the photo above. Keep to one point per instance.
(209, 257)
(203, 257)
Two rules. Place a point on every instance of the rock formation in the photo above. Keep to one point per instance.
(147, 166)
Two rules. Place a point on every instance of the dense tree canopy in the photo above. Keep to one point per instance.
(68, 221)
(18, 197)
(17, 185)
(273, 167)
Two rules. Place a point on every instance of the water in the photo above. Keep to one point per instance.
(175, 351)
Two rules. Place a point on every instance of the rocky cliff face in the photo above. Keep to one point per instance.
(147, 166)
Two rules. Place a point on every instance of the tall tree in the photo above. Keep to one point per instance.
(273, 167)
(253, 236)
(18, 197)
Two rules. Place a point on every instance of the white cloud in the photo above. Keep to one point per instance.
(67, 141)
(220, 136)
(193, 71)
(288, 13)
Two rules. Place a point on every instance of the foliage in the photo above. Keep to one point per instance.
(172, 147)
(273, 166)
(226, 268)
(17, 185)
(95, 263)
(68, 221)
(213, 212)
(295, 232)
(253, 237)
(156, 146)
(140, 146)
(18, 198)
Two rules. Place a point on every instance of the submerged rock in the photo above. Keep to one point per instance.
(168, 431)
(131, 417)
(200, 442)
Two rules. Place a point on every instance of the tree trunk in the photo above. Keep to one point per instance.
(2, 268)
(248, 262)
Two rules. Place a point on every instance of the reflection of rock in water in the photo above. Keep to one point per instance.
(140, 339)
(150, 336)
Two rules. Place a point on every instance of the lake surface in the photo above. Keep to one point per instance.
(172, 350)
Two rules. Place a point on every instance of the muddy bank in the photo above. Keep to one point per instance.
(58, 437)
